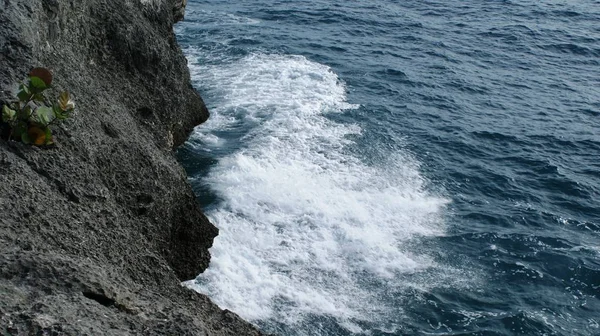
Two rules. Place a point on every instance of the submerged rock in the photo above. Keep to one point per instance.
(97, 233)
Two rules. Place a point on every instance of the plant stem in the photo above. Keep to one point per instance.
(52, 122)
(12, 129)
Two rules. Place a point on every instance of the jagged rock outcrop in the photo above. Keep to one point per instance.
(179, 9)
(97, 233)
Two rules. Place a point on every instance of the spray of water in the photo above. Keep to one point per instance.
(303, 223)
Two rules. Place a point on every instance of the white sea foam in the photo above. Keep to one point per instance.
(303, 224)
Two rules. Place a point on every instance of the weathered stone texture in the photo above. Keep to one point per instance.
(96, 234)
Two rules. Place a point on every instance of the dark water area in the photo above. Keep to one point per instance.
(400, 167)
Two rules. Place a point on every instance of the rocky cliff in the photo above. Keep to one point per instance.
(97, 233)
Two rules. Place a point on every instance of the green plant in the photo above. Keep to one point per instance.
(29, 118)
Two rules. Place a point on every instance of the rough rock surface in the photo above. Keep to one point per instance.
(97, 233)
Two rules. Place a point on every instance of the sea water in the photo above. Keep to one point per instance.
(400, 167)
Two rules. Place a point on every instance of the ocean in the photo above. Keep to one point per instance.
(391, 167)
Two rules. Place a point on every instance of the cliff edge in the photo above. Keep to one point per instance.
(97, 233)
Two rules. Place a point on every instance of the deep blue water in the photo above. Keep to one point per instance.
(390, 167)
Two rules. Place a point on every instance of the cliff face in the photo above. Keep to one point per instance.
(96, 234)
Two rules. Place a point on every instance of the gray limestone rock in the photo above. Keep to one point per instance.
(97, 233)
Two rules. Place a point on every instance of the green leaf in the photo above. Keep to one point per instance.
(24, 95)
(25, 88)
(19, 129)
(49, 139)
(8, 114)
(39, 97)
(42, 73)
(25, 138)
(24, 114)
(44, 115)
(59, 113)
(37, 83)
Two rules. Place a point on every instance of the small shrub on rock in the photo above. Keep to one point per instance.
(29, 117)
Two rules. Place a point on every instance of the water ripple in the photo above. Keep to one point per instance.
(492, 105)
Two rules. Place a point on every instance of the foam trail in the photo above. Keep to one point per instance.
(303, 224)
